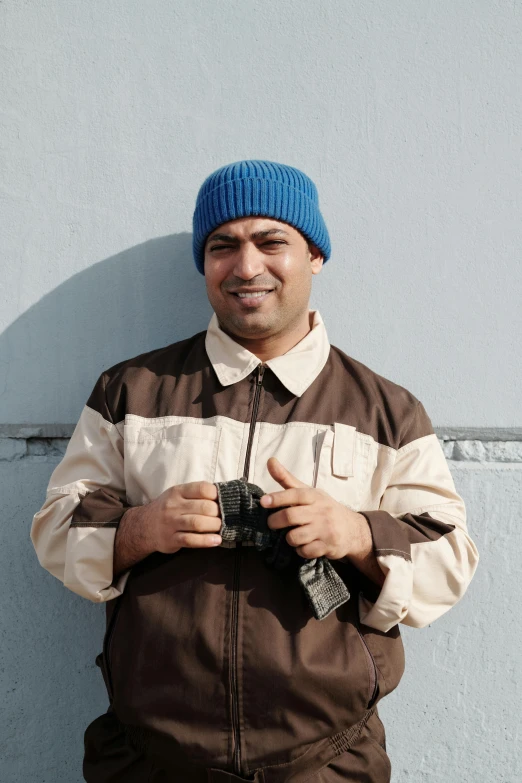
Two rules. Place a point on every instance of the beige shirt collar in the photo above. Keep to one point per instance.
(296, 369)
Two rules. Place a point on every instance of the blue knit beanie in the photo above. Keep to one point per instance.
(263, 188)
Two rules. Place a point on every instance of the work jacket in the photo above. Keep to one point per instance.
(211, 647)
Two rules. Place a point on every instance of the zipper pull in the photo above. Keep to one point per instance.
(260, 373)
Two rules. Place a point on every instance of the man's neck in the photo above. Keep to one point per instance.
(276, 345)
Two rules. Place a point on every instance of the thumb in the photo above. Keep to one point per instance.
(282, 475)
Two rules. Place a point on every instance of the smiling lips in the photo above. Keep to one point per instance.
(251, 297)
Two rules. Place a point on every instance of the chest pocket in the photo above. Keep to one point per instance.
(341, 467)
(157, 457)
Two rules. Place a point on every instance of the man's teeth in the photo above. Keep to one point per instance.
(257, 293)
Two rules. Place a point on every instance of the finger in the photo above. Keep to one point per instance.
(197, 523)
(197, 540)
(295, 515)
(300, 496)
(283, 476)
(301, 535)
(199, 489)
(207, 508)
(312, 549)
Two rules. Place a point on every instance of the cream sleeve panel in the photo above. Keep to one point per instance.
(73, 533)
(420, 539)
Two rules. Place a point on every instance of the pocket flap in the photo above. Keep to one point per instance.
(138, 433)
(343, 449)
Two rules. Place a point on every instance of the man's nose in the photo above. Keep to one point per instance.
(249, 261)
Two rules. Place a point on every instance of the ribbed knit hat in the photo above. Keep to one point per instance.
(262, 188)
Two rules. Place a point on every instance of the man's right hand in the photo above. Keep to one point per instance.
(186, 515)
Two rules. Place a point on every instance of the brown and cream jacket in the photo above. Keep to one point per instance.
(211, 647)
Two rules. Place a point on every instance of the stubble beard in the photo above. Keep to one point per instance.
(254, 324)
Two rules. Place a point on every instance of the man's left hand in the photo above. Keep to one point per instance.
(320, 524)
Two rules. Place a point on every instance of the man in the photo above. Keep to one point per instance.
(215, 665)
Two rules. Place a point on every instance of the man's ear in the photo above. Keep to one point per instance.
(316, 258)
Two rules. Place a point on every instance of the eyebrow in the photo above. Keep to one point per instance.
(254, 235)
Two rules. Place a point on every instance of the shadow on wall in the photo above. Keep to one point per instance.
(142, 298)
(50, 357)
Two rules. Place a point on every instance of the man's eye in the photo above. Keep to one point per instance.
(275, 242)
(220, 247)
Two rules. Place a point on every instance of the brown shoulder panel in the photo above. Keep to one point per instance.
(349, 392)
(418, 425)
(147, 384)
(97, 399)
(179, 380)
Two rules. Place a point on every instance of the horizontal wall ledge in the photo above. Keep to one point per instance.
(37, 430)
(61, 430)
(40, 442)
(502, 434)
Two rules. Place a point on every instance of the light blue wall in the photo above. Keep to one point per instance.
(406, 114)
(408, 117)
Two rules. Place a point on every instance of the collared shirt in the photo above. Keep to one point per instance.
(296, 369)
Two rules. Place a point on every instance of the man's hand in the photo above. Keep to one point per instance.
(186, 515)
(320, 524)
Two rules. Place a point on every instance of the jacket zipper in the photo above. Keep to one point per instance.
(234, 685)
(372, 669)
(255, 406)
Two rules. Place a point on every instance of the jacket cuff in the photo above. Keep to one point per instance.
(90, 546)
(89, 564)
(391, 548)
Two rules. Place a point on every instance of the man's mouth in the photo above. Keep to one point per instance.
(250, 297)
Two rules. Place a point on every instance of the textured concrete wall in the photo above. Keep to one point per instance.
(455, 716)
(407, 116)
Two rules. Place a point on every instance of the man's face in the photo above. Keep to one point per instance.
(259, 254)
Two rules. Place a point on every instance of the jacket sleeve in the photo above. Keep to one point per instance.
(420, 536)
(73, 533)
